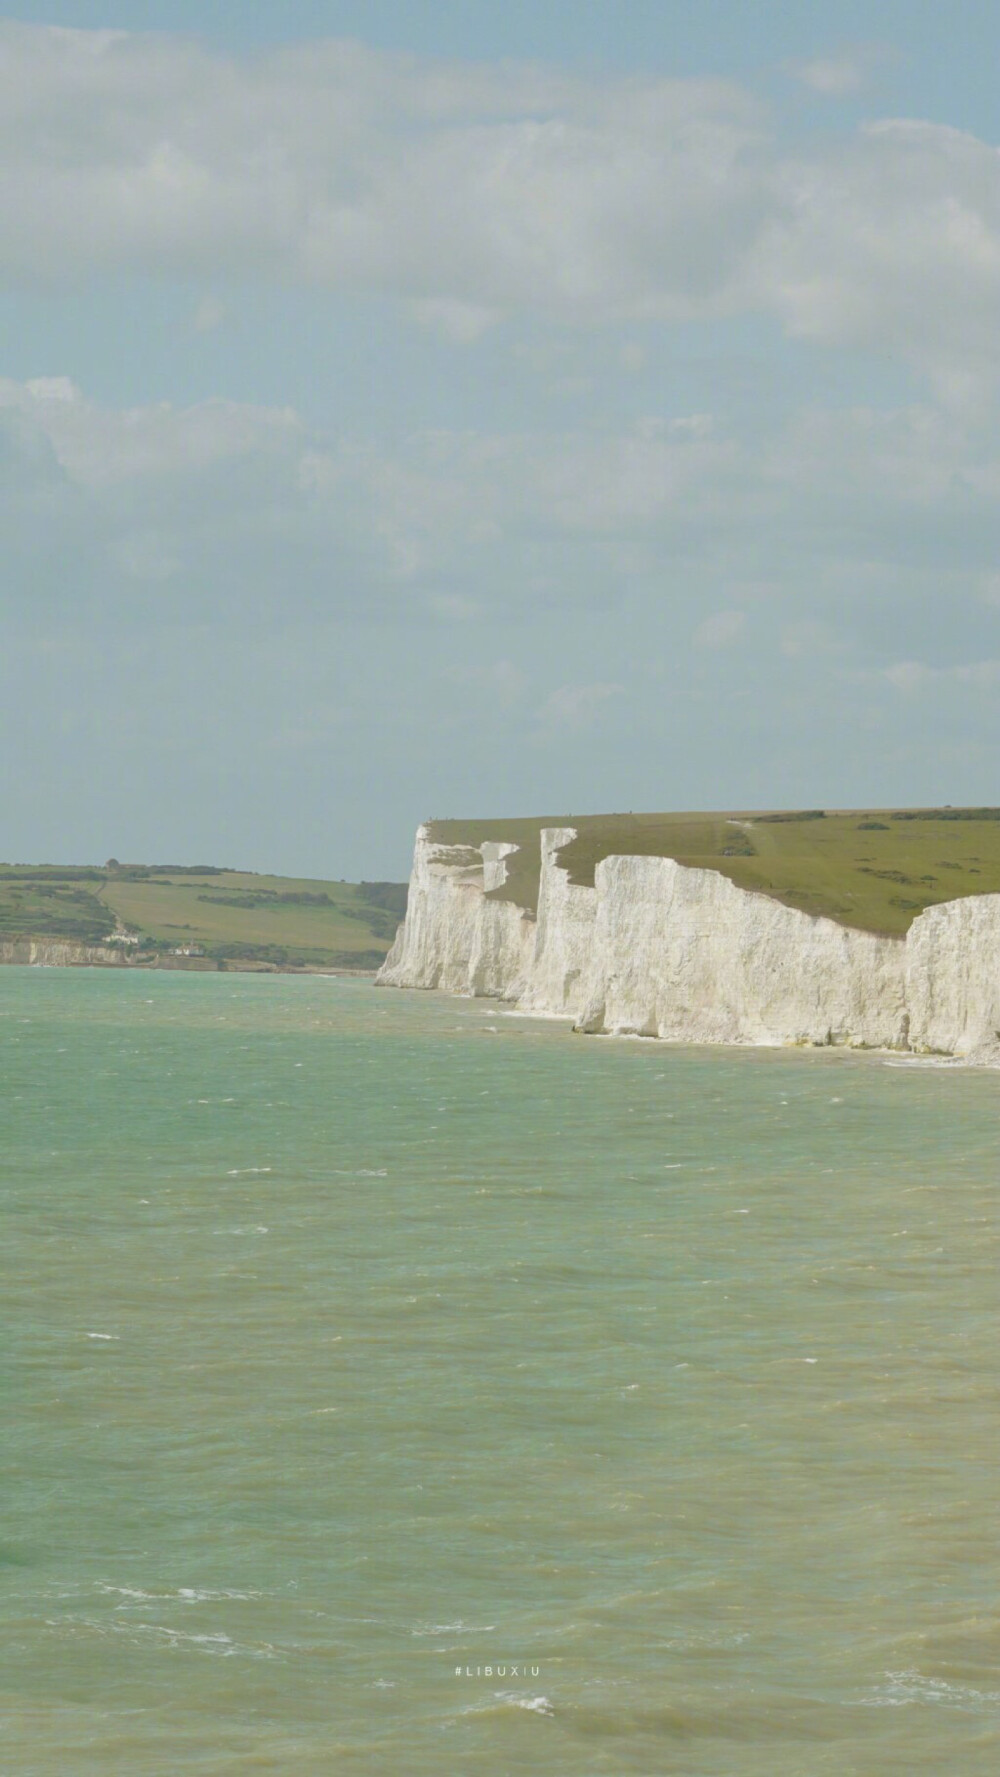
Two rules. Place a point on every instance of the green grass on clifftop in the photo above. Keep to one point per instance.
(874, 869)
(229, 915)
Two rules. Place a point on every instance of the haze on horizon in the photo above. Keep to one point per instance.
(409, 415)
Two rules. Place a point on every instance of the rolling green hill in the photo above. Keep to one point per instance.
(217, 916)
(875, 869)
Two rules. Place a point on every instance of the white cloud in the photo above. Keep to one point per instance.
(832, 76)
(805, 638)
(843, 72)
(209, 315)
(916, 675)
(577, 706)
(463, 322)
(453, 607)
(98, 447)
(983, 675)
(500, 686)
(467, 189)
(471, 192)
(895, 242)
(507, 683)
(821, 524)
(143, 555)
(720, 630)
(52, 388)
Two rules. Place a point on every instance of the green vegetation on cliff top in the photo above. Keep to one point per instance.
(228, 916)
(871, 868)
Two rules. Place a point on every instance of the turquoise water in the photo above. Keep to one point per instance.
(358, 1341)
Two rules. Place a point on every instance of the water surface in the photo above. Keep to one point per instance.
(358, 1342)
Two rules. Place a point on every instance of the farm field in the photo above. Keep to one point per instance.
(871, 868)
(225, 917)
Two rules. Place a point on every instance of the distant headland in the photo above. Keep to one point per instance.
(197, 916)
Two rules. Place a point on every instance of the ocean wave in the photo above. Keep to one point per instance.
(502, 1701)
(950, 1061)
(902, 1688)
(216, 1644)
(537, 1705)
(179, 1595)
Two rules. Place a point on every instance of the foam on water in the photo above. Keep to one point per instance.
(182, 1594)
(537, 1705)
(928, 1061)
(902, 1689)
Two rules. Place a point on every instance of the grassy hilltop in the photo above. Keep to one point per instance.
(871, 868)
(226, 917)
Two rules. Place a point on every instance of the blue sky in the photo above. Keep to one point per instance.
(413, 410)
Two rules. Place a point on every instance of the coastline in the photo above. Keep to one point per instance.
(885, 1053)
(662, 950)
(58, 953)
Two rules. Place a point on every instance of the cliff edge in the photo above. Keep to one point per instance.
(657, 948)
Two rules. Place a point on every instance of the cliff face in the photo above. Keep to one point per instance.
(658, 949)
(562, 950)
(686, 954)
(58, 953)
(453, 937)
(953, 978)
(66, 953)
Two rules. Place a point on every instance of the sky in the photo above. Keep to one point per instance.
(412, 410)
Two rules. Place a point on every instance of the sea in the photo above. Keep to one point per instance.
(394, 1386)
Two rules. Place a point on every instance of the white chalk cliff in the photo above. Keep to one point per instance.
(658, 949)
